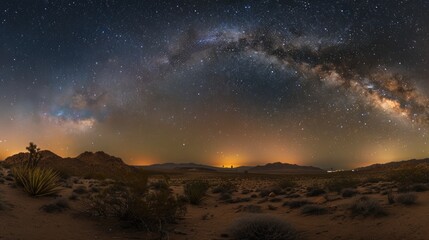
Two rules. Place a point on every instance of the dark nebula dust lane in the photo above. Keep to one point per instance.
(329, 83)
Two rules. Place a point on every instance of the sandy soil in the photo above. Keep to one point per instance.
(24, 220)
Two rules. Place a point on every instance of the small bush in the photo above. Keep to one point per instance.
(373, 180)
(407, 198)
(224, 187)
(37, 181)
(296, 203)
(313, 210)
(160, 185)
(73, 197)
(315, 191)
(287, 183)
(195, 191)
(338, 184)
(80, 190)
(348, 192)
(225, 196)
(273, 189)
(264, 227)
(366, 206)
(252, 208)
(57, 206)
(418, 187)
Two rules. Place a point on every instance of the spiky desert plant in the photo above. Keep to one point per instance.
(37, 181)
(34, 157)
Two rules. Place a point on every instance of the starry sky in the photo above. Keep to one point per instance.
(334, 84)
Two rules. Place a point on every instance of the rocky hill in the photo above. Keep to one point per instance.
(87, 164)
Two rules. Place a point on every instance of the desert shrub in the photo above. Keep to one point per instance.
(94, 189)
(418, 187)
(373, 180)
(287, 183)
(407, 198)
(37, 181)
(195, 191)
(9, 178)
(312, 209)
(225, 196)
(159, 185)
(277, 190)
(348, 192)
(366, 206)
(296, 203)
(245, 191)
(275, 199)
(73, 197)
(293, 195)
(315, 191)
(80, 190)
(150, 211)
(136, 181)
(338, 184)
(224, 187)
(58, 206)
(252, 208)
(410, 175)
(264, 227)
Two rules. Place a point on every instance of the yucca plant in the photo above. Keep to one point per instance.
(37, 181)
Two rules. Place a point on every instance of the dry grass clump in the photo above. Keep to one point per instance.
(407, 198)
(264, 227)
(196, 191)
(419, 187)
(59, 205)
(287, 183)
(251, 208)
(159, 185)
(366, 206)
(80, 190)
(348, 192)
(296, 203)
(315, 191)
(313, 209)
(226, 187)
(277, 190)
(338, 184)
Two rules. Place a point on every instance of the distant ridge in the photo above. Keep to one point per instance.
(279, 167)
(93, 163)
(87, 164)
(180, 166)
(394, 165)
(268, 168)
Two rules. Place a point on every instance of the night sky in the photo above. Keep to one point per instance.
(327, 83)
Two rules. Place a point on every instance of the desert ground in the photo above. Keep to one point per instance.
(315, 207)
